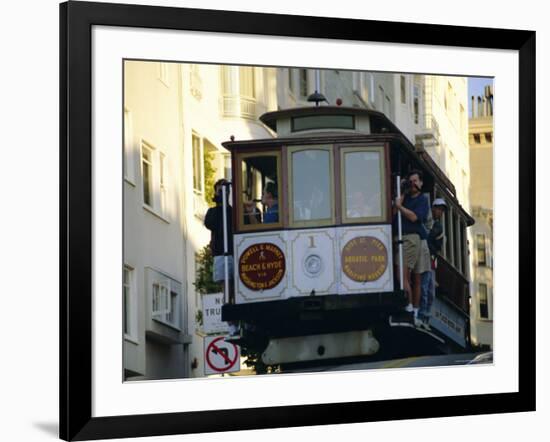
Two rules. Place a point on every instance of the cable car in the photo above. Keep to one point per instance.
(314, 246)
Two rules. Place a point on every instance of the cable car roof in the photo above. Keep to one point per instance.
(379, 122)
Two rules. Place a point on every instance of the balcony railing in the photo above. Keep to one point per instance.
(239, 106)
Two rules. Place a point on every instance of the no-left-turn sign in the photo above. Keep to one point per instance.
(220, 356)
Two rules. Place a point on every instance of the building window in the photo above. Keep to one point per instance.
(362, 171)
(403, 87)
(129, 310)
(166, 303)
(258, 180)
(488, 137)
(128, 158)
(304, 87)
(311, 191)
(477, 138)
(147, 174)
(291, 80)
(198, 182)
(481, 250)
(247, 86)
(238, 91)
(154, 171)
(483, 301)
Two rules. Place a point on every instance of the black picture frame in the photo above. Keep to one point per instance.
(76, 21)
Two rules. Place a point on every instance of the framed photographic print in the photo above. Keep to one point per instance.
(273, 220)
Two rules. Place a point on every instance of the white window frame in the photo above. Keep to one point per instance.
(131, 316)
(487, 297)
(162, 290)
(159, 181)
(150, 162)
(160, 293)
(200, 189)
(234, 103)
(486, 262)
(252, 75)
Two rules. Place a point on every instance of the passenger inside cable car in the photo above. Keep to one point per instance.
(271, 206)
(260, 175)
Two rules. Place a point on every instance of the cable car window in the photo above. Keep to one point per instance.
(259, 189)
(311, 186)
(363, 185)
(323, 122)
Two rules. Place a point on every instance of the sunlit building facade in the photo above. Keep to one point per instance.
(481, 165)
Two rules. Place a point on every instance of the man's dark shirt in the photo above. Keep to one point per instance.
(213, 221)
(420, 206)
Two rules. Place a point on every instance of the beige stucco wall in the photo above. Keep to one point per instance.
(481, 162)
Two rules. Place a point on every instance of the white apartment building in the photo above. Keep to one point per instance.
(175, 114)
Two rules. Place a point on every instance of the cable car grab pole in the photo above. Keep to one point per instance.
(225, 186)
(400, 235)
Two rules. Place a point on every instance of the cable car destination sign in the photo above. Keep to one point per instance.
(364, 259)
(262, 266)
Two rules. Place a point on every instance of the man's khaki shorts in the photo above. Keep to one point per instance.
(411, 251)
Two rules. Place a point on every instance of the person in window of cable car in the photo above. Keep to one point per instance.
(270, 201)
(414, 208)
